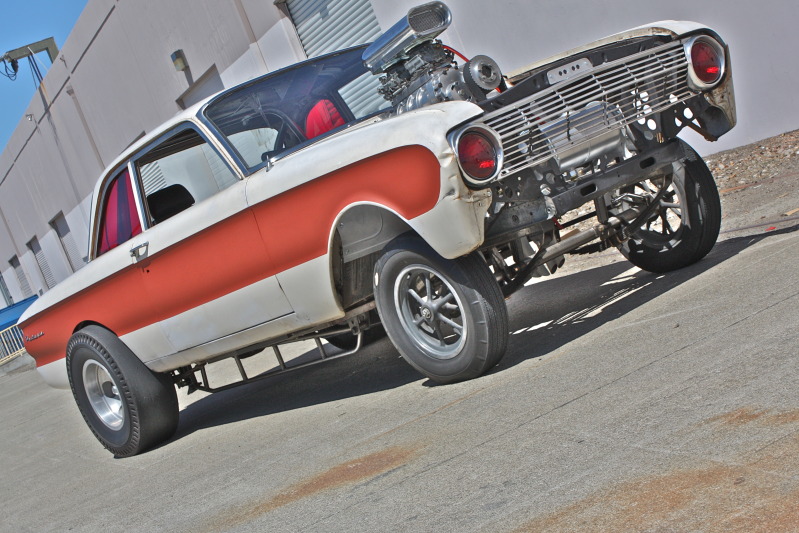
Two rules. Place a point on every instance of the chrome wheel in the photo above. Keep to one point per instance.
(686, 224)
(103, 395)
(669, 220)
(446, 317)
(430, 312)
(128, 407)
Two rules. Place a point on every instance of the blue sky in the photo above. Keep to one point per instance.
(25, 22)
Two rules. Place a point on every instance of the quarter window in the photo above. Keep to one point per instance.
(119, 220)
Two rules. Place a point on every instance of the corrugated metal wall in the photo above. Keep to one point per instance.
(326, 25)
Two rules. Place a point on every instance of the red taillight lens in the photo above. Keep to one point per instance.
(477, 155)
(706, 62)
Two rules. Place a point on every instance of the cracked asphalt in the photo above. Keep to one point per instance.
(627, 401)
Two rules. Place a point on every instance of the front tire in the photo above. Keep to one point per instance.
(128, 407)
(686, 227)
(446, 317)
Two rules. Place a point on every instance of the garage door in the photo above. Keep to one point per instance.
(330, 25)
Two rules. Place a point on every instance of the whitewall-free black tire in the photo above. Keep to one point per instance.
(128, 407)
(446, 317)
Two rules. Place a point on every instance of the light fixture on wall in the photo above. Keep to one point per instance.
(179, 60)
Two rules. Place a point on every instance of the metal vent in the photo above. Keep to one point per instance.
(41, 260)
(24, 286)
(61, 228)
(4, 291)
(606, 98)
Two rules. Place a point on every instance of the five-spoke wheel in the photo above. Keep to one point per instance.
(446, 317)
(430, 311)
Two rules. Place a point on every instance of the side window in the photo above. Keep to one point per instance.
(179, 172)
(119, 221)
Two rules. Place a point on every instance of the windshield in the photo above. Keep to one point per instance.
(280, 111)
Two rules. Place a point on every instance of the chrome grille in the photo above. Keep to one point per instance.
(626, 90)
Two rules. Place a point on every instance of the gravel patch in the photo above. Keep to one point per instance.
(759, 161)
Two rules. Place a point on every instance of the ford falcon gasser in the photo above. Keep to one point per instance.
(382, 189)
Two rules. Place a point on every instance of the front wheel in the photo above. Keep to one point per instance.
(686, 226)
(128, 407)
(446, 317)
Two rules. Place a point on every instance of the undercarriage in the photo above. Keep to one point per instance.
(528, 235)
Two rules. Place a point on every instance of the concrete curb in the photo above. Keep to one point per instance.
(20, 364)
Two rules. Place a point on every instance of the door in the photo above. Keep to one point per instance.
(204, 264)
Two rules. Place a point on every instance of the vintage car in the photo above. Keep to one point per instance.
(384, 189)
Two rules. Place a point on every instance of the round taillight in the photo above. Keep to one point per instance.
(478, 155)
(706, 61)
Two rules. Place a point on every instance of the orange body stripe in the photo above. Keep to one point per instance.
(296, 224)
(262, 241)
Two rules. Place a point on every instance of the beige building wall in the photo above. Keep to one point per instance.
(114, 80)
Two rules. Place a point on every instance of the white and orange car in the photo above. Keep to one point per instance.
(382, 188)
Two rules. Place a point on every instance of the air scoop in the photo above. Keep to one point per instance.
(421, 24)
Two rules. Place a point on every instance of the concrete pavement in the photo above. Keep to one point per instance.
(626, 402)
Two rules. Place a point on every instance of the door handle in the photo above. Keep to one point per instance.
(139, 252)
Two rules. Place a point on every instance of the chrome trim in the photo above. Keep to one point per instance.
(569, 71)
(138, 196)
(34, 337)
(693, 80)
(634, 87)
(454, 138)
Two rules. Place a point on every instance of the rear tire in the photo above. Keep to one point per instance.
(686, 227)
(128, 407)
(446, 317)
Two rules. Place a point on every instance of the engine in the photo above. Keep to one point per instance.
(417, 70)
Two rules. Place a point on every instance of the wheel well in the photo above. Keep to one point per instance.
(360, 235)
(90, 323)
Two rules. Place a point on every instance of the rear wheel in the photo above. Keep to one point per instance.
(686, 226)
(446, 317)
(128, 407)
